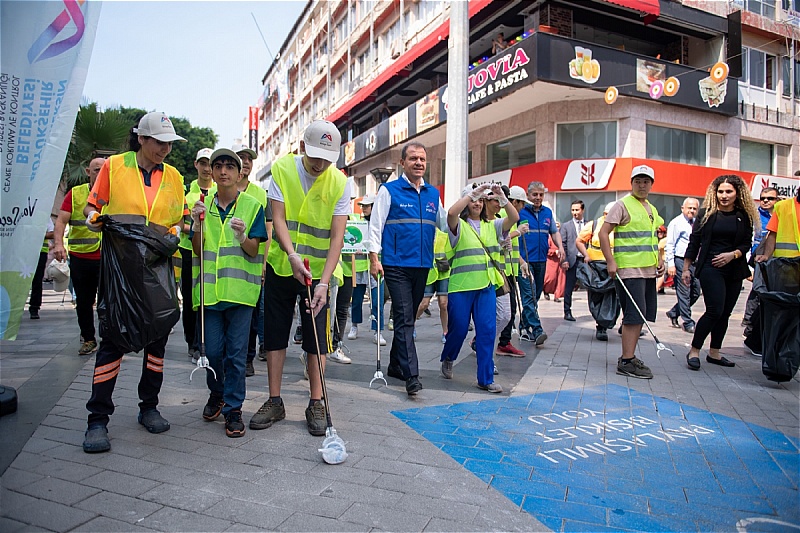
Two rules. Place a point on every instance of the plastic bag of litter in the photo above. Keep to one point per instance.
(138, 301)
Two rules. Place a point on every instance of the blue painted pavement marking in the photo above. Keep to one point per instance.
(609, 458)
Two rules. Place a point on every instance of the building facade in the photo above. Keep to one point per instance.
(573, 94)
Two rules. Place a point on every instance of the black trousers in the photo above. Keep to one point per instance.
(721, 290)
(407, 287)
(189, 315)
(106, 368)
(344, 293)
(85, 274)
(505, 335)
(571, 275)
(36, 285)
(687, 296)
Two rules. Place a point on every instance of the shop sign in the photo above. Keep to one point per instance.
(583, 174)
(787, 187)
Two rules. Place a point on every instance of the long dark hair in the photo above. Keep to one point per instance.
(744, 201)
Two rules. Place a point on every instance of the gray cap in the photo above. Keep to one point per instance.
(219, 152)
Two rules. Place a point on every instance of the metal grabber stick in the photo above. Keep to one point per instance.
(660, 347)
(333, 447)
(202, 361)
(378, 304)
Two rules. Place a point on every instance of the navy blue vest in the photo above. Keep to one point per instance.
(410, 228)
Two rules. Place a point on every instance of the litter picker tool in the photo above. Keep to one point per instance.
(660, 347)
(202, 361)
(333, 447)
(378, 374)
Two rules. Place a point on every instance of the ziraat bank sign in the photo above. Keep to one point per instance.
(501, 75)
(585, 174)
(787, 187)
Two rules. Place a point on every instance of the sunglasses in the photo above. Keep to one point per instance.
(768, 198)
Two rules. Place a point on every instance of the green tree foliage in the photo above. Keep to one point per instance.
(94, 131)
(183, 153)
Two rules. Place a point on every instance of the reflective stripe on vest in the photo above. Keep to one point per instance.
(635, 247)
(192, 196)
(308, 216)
(470, 268)
(514, 253)
(787, 238)
(261, 195)
(127, 201)
(81, 240)
(441, 250)
(230, 274)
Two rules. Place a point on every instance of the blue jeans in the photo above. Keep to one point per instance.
(356, 316)
(226, 348)
(480, 305)
(530, 294)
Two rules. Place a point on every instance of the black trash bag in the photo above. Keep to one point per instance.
(138, 297)
(778, 289)
(603, 302)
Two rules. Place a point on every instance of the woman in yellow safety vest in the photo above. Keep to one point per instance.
(474, 277)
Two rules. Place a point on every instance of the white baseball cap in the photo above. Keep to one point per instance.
(368, 199)
(518, 193)
(204, 153)
(158, 126)
(59, 273)
(219, 152)
(239, 148)
(643, 170)
(322, 140)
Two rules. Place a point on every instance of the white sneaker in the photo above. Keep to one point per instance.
(340, 357)
(375, 339)
(353, 335)
(305, 365)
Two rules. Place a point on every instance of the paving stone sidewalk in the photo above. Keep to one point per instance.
(398, 477)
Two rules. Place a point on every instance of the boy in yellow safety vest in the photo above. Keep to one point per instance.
(234, 228)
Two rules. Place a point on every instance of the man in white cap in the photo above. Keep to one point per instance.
(588, 244)
(247, 155)
(636, 262)
(310, 201)
(204, 186)
(135, 187)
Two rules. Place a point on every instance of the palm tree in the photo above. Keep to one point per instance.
(95, 131)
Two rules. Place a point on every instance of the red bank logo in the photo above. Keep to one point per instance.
(46, 46)
(588, 174)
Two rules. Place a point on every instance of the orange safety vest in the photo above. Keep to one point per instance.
(127, 201)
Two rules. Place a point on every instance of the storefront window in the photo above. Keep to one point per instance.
(594, 202)
(756, 157)
(513, 152)
(679, 146)
(668, 206)
(589, 140)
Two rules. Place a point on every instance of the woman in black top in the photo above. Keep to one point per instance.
(721, 236)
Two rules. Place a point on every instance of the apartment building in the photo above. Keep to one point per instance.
(540, 98)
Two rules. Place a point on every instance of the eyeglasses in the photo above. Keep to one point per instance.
(768, 198)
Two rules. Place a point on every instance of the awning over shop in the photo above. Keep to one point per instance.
(649, 8)
(406, 59)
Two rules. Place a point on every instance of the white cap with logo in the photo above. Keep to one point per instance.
(643, 170)
(518, 193)
(59, 273)
(203, 153)
(242, 149)
(322, 140)
(158, 126)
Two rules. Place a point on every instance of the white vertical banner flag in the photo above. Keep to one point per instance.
(46, 47)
